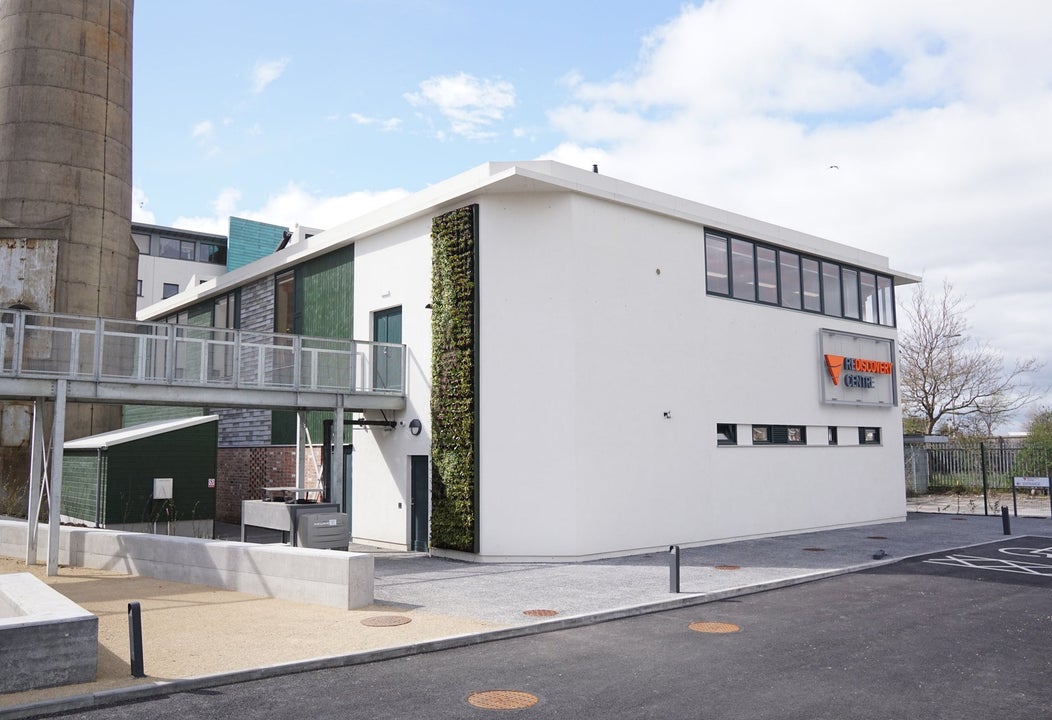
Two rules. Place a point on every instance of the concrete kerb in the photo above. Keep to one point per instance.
(159, 689)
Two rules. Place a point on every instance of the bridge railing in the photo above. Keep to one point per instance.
(53, 345)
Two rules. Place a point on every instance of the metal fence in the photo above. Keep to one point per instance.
(1000, 470)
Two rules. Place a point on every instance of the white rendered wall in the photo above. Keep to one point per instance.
(393, 268)
(156, 271)
(585, 346)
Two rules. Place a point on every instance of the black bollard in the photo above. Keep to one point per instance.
(1005, 522)
(673, 568)
(135, 638)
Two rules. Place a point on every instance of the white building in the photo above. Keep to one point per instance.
(172, 260)
(635, 370)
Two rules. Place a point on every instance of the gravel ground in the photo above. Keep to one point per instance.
(191, 630)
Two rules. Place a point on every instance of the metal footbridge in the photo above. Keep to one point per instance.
(106, 360)
(51, 357)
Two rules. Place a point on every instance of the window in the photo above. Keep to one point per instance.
(850, 279)
(779, 435)
(211, 253)
(766, 275)
(138, 288)
(832, 436)
(177, 249)
(716, 276)
(812, 285)
(743, 270)
(867, 284)
(831, 289)
(869, 436)
(885, 301)
(169, 289)
(726, 434)
(789, 278)
(756, 272)
(285, 303)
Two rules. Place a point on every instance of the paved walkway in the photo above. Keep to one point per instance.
(502, 598)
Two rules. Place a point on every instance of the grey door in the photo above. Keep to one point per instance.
(387, 362)
(419, 502)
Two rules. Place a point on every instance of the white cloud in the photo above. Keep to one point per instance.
(471, 105)
(291, 206)
(203, 130)
(384, 124)
(936, 114)
(266, 72)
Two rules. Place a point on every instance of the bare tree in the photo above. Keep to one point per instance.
(950, 378)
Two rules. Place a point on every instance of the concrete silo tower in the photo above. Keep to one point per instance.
(65, 176)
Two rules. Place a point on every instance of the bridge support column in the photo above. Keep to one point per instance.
(336, 466)
(58, 436)
(301, 445)
(37, 461)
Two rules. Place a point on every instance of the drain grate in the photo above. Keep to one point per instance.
(728, 567)
(876, 537)
(502, 699)
(540, 613)
(814, 549)
(714, 627)
(385, 620)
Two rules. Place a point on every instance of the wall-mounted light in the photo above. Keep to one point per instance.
(415, 427)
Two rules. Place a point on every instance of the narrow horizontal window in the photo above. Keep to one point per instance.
(761, 434)
(869, 436)
(726, 434)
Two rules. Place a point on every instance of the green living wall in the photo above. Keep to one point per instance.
(454, 380)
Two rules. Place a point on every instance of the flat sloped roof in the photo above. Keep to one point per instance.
(135, 432)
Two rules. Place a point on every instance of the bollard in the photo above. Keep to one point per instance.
(135, 638)
(1005, 522)
(673, 568)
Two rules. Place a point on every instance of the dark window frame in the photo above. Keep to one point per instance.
(869, 436)
(726, 434)
(829, 273)
(165, 294)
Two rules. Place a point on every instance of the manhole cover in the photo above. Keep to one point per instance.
(502, 699)
(714, 627)
(814, 549)
(728, 567)
(876, 537)
(385, 620)
(540, 613)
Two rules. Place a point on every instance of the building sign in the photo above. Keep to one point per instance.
(857, 369)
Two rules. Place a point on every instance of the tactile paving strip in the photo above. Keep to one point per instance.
(385, 620)
(540, 613)
(714, 627)
(502, 699)
(728, 567)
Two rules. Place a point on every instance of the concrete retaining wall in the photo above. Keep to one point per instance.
(46, 638)
(323, 577)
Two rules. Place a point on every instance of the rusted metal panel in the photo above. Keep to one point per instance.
(27, 273)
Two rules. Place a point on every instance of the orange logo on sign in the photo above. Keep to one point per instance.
(835, 363)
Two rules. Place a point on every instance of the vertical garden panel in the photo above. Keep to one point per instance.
(454, 375)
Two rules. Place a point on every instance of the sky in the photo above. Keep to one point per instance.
(921, 131)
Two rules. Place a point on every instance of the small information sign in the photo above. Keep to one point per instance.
(1031, 482)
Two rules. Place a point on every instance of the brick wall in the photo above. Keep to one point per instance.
(243, 472)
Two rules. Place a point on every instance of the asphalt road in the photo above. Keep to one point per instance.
(958, 635)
